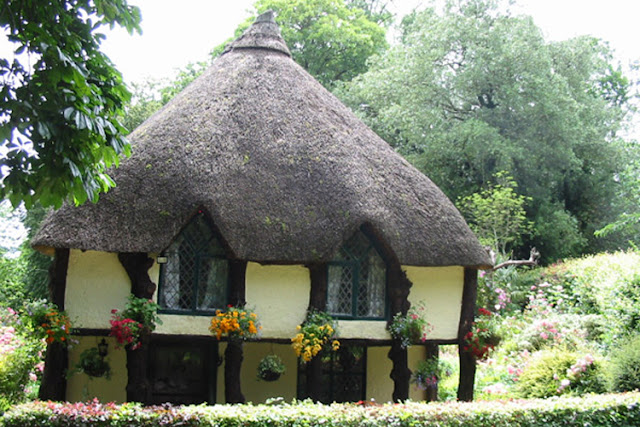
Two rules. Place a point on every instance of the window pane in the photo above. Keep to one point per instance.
(339, 293)
(212, 283)
(371, 289)
(196, 272)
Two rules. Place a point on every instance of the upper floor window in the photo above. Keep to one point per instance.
(196, 274)
(357, 279)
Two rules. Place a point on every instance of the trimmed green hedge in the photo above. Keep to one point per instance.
(593, 410)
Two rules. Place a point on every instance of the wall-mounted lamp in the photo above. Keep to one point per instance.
(103, 348)
(162, 259)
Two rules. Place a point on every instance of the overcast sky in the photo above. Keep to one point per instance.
(176, 33)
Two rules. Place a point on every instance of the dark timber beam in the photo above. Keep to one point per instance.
(137, 265)
(467, 360)
(54, 383)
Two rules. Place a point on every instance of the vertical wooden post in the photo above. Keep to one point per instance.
(137, 265)
(317, 301)
(398, 287)
(233, 355)
(467, 360)
(54, 383)
(433, 353)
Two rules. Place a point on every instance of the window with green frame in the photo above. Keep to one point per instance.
(195, 277)
(357, 281)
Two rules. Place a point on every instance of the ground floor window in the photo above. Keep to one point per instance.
(183, 371)
(344, 374)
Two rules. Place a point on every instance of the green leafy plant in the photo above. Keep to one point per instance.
(430, 372)
(624, 366)
(270, 368)
(318, 330)
(93, 364)
(411, 328)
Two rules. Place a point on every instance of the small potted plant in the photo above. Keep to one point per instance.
(236, 324)
(93, 364)
(270, 368)
(54, 324)
(315, 334)
(411, 328)
(430, 372)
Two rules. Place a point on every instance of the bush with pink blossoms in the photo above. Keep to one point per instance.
(20, 359)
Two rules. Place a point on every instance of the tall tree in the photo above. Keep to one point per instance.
(331, 39)
(59, 106)
(472, 90)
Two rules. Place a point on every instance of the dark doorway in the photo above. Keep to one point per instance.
(344, 374)
(183, 370)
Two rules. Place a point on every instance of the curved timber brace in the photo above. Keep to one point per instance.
(398, 291)
(137, 265)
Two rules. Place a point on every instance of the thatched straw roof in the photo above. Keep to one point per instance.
(285, 170)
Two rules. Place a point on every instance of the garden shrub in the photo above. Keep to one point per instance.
(20, 354)
(624, 366)
(556, 371)
(600, 410)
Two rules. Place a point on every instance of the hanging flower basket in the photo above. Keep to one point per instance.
(92, 364)
(270, 368)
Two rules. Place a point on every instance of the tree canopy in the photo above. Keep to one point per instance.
(473, 90)
(60, 99)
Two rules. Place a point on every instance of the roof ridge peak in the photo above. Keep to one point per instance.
(264, 33)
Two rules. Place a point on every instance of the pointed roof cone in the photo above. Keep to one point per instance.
(286, 172)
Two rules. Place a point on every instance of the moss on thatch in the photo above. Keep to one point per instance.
(285, 170)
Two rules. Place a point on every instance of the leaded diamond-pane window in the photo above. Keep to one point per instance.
(195, 277)
(357, 280)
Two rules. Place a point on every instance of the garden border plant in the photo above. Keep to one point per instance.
(597, 410)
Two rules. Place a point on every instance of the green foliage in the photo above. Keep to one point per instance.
(60, 126)
(472, 90)
(556, 371)
(624, 366)
(557, 233)
(605, 410)
(35, 275)
(430, 372)
(92, 364)
(270, 367)
(496, 214)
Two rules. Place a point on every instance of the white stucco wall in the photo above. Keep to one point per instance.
(440, 289)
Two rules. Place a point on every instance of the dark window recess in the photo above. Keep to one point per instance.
(196, 275)
(183, 373)
(357, 279)
(344, 374)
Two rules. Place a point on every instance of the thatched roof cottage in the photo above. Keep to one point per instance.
(256, 185)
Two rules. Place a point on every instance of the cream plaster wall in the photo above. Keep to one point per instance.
(440, 289)
(96, 283)
(280, 296)
(372, 329)
(81, 387)
(379, 366)
(257, 391)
